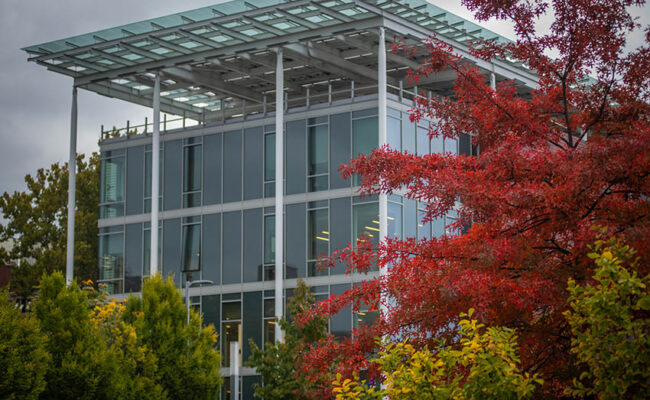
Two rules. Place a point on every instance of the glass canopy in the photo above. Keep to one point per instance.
(215, 60)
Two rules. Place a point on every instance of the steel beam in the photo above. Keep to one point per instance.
(213, 80)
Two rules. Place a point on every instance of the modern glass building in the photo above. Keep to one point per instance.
(260, 90)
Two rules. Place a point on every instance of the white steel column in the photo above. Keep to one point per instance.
(493, 80)
(381, 99)
(72, 187)
(279, 194)
(155, 177)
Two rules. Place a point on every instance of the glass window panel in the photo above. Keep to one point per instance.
(408, 134)
(269, 308)
(318, 183)
(318, 239)
(436, 144)
(231, 311)
(318, 163)
(269, 157)
(438, 226)
(393, 133)
(232, 232)
(191, 200)
(423, 141)
(112, 178)
(424, 229)
(111, 210)
(269, 239)
(451, 145)
(192, 247)
(365, 136)
(365, 222)
(111, 256)
(410, 218)
(192, 168)
(394, 220)
(253, 246)
(269, 331)
(231, 332)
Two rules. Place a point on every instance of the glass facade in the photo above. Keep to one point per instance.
(218, 222)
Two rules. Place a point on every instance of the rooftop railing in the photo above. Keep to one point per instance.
(310, 100)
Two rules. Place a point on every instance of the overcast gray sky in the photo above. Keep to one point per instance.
(35, 102)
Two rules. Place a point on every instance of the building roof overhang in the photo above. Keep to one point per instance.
(218, 59)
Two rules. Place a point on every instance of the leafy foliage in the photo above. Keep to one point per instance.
(610, 323)
(554, 162)
(481, 364)
(280, 364)
(37, 221)
(187, 362)
(91, 348)
(82, 365)
(23, 357)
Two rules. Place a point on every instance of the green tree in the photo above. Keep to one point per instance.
(23, 357)
(279, 363)
(187, 362)
(481, 364)
(611, 326)
(138, 363)
(82, 367)
(36, 222)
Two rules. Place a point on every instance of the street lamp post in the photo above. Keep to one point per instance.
(189, 284)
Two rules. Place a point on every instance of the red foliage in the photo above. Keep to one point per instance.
(553, 164)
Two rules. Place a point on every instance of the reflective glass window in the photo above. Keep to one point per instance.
(111, 192)
(451, 145)
(192, 247)
(423, 140)
(318, 240)
(318, 164)
(269, 239)
(393, 133)
(192, 171)
(365, 222)
(111, 261)
(269, 157)
(394, 220)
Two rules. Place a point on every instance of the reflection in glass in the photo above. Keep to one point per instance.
(111, 261)
(365, 138)
(423, 141)
(393, 133)
(269, 239)
(192, 169)
(269, 157)
(451, 146)
(318, 240)
(112, 187)
(394, 220)
(365, 224)
(231, 332)
(318, 149)
(269, 321)
(192, 247)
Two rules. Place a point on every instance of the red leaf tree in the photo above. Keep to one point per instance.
(572, 155)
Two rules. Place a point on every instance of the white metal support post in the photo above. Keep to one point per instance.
(381, 99)
(155, 177)
(279, 194)
(72, 187)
